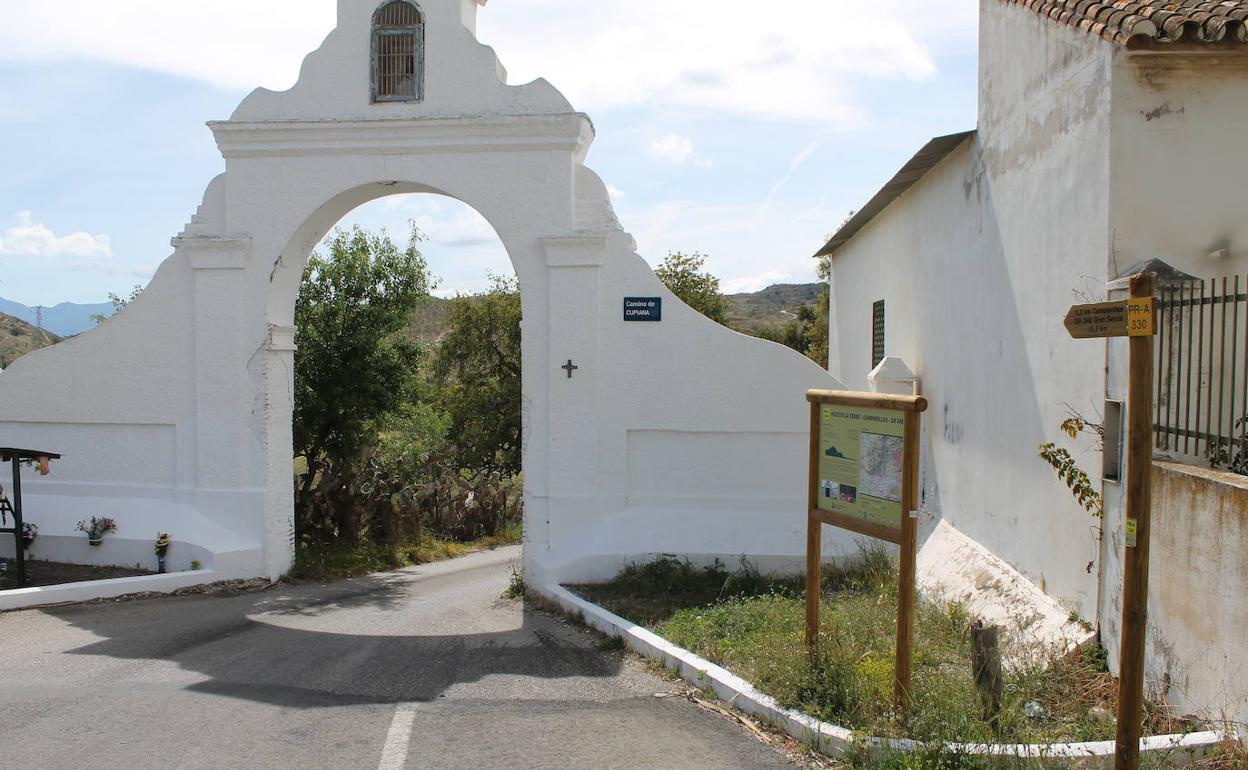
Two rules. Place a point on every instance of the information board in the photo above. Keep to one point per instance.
(861, 454)
(864, 478)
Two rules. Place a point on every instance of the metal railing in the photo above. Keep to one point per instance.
(1202, 371)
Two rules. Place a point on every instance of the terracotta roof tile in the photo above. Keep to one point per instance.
(1133, 22)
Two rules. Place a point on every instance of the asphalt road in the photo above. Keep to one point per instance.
(429, 667)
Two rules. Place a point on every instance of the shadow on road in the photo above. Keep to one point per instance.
(246, 645)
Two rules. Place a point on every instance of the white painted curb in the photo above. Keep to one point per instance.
(25, 598)
(837, 741)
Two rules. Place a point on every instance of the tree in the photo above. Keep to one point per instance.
(817, 324)
(119, 303)
(353, 364)
(818, 347)
(478, 368)
(682, 273)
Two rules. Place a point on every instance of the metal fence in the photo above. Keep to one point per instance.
(1202, 371)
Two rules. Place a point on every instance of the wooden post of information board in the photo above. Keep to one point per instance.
(1135, 318)
(1139, 510)
(906, 536)
(908, 579)
(814, 538)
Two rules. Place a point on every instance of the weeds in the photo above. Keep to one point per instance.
(516, 588)
(1229, 755)
(612, 644)
(338, 560)
(754, 626)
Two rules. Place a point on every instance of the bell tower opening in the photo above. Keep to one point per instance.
(398, 53)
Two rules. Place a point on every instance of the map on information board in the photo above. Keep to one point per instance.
(860, 463)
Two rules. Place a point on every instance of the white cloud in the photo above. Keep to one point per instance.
(615, 192)
(33, 239)
(796, 60)
(749, 245)
(672, 148)
(792, 61)
(231, 43)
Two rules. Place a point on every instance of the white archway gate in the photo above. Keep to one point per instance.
(672, 437)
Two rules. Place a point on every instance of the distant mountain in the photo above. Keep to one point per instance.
(17, 338)
(774, 306)
(65, 320)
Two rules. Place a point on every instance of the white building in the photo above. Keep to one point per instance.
(1108, 135)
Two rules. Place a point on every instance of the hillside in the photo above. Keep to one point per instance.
(774, 306)
(430, 321)
(65, 319)
(17, 338)
(747, 313)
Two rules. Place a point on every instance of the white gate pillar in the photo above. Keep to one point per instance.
(219, 428)
(575, 264)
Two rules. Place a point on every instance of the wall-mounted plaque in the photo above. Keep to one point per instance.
(643, 308)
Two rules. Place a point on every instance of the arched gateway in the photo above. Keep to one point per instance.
(676, 436)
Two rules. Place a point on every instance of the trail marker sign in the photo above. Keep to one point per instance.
(1135, 317)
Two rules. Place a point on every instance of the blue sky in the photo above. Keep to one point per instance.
(746, 141)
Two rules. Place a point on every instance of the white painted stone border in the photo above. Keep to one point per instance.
(837, 741)
(68, 593)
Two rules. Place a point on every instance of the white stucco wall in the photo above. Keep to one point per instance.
(673, 437)
(1179, 159)
(1179, 193)
(978, 264)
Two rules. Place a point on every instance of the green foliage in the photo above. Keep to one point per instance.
(516, 588)
(612, 644)
(119, 303)
(1074, 477)
(409, 437)
(684, 276)
(651, 593)
(817, 327)
(343, 558)
(940, 758)
(399, 451)
(1229, 454)
(808, 333)
(477, 367)
(352, 365)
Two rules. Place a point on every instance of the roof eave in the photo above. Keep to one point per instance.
(910, 174)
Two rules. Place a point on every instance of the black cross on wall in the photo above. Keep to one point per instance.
(569, 367)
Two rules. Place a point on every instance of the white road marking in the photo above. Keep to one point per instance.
(394, 754)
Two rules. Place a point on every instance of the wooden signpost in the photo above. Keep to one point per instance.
(864, 477)
(1135, 318)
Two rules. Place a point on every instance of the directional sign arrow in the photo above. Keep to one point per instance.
(1102, 319)
(1123, 318)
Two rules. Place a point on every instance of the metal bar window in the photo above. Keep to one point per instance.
(398, 53)
(1202, 408)
(877, 333)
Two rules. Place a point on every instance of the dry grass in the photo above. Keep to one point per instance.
(336, 561)
(754, 626)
